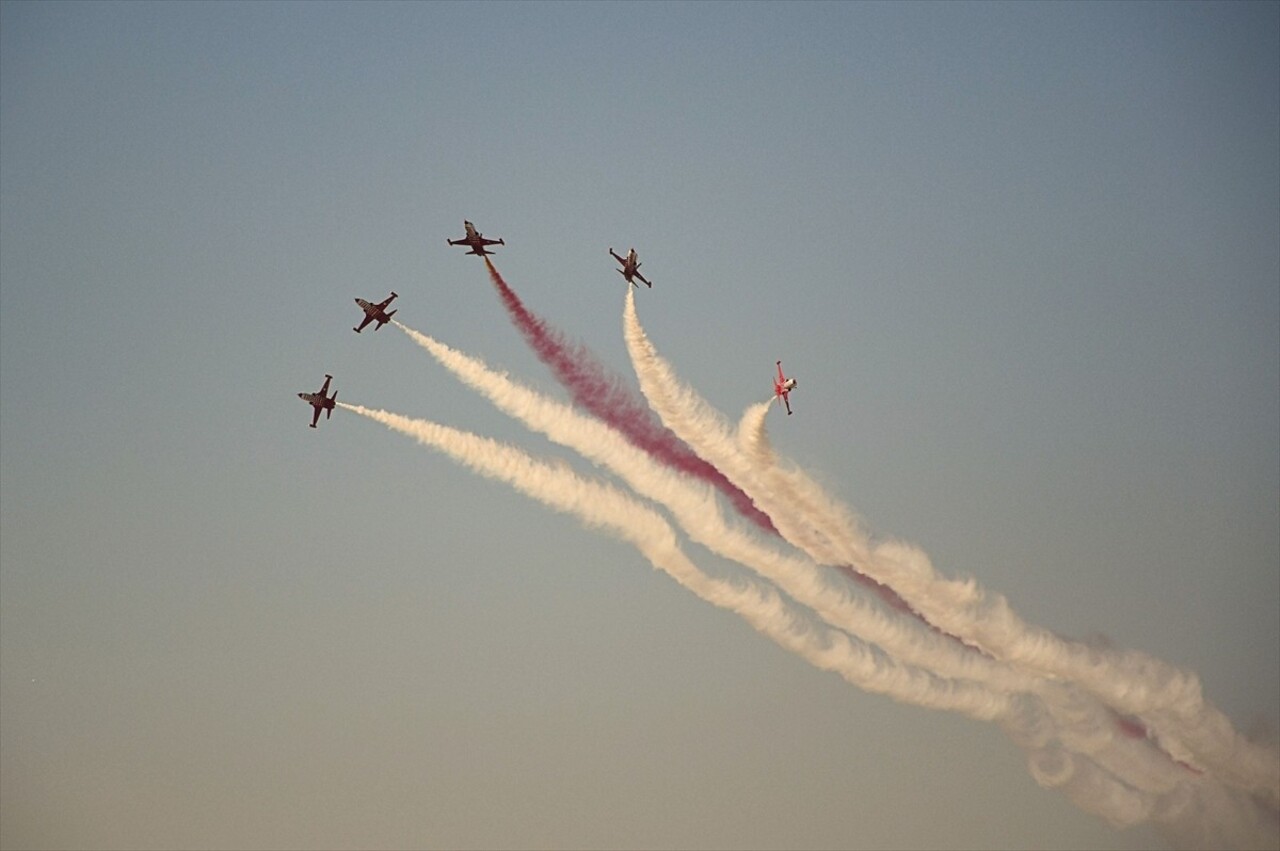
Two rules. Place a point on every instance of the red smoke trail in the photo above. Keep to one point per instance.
(607, 398)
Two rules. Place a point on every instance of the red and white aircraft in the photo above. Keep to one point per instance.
(475, 239)
(375, 311)
(782, 387)
(321, 402)
(630, 267)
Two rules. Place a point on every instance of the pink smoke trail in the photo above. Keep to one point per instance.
(607, 398)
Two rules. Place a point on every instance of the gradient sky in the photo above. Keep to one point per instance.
(1023, 258)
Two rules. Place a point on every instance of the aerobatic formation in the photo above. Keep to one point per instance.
(1122, 734)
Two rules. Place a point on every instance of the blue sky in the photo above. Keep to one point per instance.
(1024, 259)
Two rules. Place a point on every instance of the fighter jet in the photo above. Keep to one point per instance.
(630, 267)
(782, 387)
(321, 402)
(375, 311)
(475, 239)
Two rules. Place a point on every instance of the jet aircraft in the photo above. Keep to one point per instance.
(320, 401)
(630, 267)
(782, 387)
(375, 311)
(476, 240)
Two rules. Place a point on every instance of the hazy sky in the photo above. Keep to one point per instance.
(1023, 258)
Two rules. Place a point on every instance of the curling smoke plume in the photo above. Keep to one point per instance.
(1121, 735)
(607, 397)
(1065, 756)
(1080, 723)
(605, 507)
(1073, 730)
(1070, 738)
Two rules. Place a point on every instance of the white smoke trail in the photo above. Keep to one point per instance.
(695, 508)
(1063, 722)
(825, 530)
(605, 507)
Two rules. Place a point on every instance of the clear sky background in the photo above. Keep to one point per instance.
(1023, 258)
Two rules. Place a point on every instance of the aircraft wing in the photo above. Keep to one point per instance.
(367, 319)
(315, 415)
